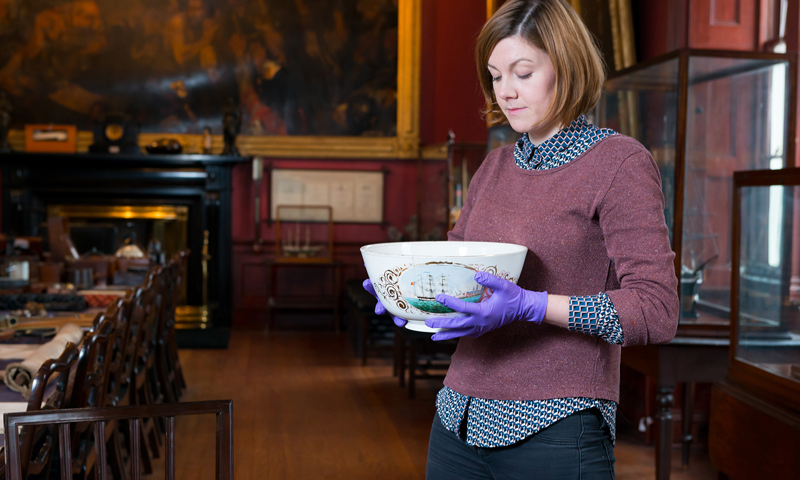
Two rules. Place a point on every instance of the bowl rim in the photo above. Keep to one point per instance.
(365, 249)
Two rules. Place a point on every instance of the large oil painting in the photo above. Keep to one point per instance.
(294, 68)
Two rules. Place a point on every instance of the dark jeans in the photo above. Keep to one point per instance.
(575, 448)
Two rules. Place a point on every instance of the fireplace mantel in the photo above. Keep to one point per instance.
(202, 183)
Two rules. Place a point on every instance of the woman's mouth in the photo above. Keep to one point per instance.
(515, 111)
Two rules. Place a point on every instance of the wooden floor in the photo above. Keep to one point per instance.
(304, 408)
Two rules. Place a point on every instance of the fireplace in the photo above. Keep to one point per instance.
(183, 201)
(160, 230)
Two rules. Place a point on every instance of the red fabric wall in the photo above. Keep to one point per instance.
(451, 97)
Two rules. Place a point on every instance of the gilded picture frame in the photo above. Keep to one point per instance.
(400, 140)
(404, 145)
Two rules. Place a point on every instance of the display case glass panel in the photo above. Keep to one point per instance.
(703, 115)
(766, 308)
(463, 160)
(652, 89)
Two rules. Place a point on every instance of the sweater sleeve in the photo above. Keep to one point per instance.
(631, 216)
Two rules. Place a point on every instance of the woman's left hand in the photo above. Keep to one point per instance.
(508, 303)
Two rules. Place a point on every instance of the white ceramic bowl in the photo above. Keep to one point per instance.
(408, 275)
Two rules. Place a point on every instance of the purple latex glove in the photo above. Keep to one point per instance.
(508, 303)
(379, 308)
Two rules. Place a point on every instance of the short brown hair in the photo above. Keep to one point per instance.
(552, 26)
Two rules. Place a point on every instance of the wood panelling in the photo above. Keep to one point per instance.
(664, 26)
(725, 13)
(724, 24)
(749, 438)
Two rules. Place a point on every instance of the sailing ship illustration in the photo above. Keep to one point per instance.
(428, 284)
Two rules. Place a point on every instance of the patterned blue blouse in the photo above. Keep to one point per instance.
(498, 423)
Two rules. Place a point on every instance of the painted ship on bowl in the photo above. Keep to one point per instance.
(421, 284)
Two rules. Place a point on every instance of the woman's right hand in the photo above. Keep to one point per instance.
(379, 308)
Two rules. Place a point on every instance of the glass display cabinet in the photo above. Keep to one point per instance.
(703, 115)
(463, 160)
(754, 421)
(765, 311)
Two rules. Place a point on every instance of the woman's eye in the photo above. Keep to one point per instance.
(496, 79)
(525, 76)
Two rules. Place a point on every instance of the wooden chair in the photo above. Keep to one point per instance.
(36, 443)
(421, 357)
(94, 359)
(167, 369)
(167, 364)
(125, 375)
(370, 333)
(145, 388)
(171, 350)
(223, 409)
(115, 386)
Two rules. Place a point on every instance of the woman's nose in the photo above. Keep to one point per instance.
(504, 89)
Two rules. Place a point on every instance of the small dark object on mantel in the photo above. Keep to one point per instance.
(168, 146)
(231, 124)
(115, 133)
(207, 141)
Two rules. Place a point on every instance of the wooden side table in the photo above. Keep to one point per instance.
(686, 360)
(683, 360)
(309, 301)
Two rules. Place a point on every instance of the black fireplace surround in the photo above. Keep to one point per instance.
(202, 183)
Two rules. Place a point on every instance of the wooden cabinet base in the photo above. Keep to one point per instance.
(750, 438)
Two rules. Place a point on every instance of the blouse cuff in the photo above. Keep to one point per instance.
(595, 315)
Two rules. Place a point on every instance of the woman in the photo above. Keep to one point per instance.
(532, 388)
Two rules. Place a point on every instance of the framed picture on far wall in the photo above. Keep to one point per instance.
(354, 196)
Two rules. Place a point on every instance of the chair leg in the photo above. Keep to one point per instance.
(364, 337)
(118, 460)
(401, 364)
(150, 436)
(168, 386)
(175, 365)
(412, 367)
(397, 350)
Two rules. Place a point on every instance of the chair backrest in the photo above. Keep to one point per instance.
(118, 374)
(167, 300)
(54, 379)
(181, 259)
(166, 358)
(94, 359)
(223, 409)
(89, 388)
(152, 311)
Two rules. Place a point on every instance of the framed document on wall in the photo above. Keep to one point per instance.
(354, 196)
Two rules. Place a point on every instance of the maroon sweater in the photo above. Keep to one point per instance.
(593, 225)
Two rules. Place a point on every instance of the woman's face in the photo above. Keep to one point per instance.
(524, 83)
